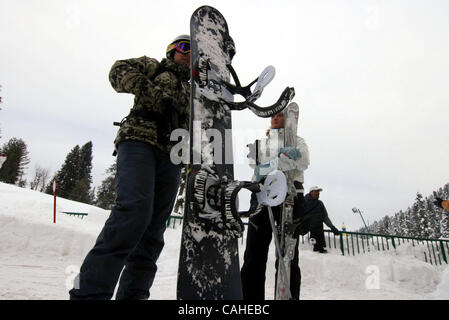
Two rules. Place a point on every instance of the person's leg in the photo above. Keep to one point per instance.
(316, 235)
(128, 221)
(295, 274)
(255, 257)
(295, 271)
(140, 269)
(321, 241)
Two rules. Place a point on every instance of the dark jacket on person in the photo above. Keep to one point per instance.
(316, 213)
(161, 99)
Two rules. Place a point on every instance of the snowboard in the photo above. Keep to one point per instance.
(209, 261)
(287, 241)
(209, 258)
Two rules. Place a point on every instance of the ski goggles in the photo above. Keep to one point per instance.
(182, 46)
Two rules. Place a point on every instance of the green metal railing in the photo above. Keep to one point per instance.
(434, 251)
(173, 221)
(80, 215)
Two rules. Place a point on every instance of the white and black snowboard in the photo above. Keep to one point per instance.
(209, 261)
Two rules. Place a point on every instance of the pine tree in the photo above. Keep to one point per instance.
(443, 216)
(434, 219)
(14, 167)
(85, 165)
(74, 179)
(444, 225)
(106, 192)
(81, 191)
(446, 191)
(67, 176)
(395, 225)
(385, 225)
(409, 222)
(403, 228)
(373, 228)
(418, 217)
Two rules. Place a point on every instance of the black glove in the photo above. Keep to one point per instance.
(168, 103)
(335, 231)
(438, 202)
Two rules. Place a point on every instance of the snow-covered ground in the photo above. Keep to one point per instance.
(39, 259)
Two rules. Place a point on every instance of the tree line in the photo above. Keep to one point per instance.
(421, 220)
(74, 182)
(73, 179)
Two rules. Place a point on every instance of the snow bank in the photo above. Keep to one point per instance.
(442, 291)
(39, 259)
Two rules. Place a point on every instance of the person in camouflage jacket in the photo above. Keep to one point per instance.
(146, 181)
(161, 102)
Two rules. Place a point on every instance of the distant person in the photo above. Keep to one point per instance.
(443, 204)
(147, 181)
(343, 228)
(315, 209)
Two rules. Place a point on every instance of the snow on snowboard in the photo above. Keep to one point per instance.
(209, 261)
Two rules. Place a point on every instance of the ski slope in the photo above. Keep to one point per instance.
(39, 259)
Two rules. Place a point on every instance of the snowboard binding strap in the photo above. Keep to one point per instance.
(261, 82)
(231, 202)
(214, 201)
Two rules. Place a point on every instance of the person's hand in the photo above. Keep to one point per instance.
(168, 103)
(290, 152)
(261, 170)
(335, 231)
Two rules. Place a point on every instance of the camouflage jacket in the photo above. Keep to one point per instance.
(161, 99)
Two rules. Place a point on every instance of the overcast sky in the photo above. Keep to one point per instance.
(371, 79)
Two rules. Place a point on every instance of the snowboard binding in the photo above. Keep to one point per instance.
(261, 82)
(201, 76)
(214, 200)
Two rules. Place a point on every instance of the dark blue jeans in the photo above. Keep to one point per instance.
(132, 237)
